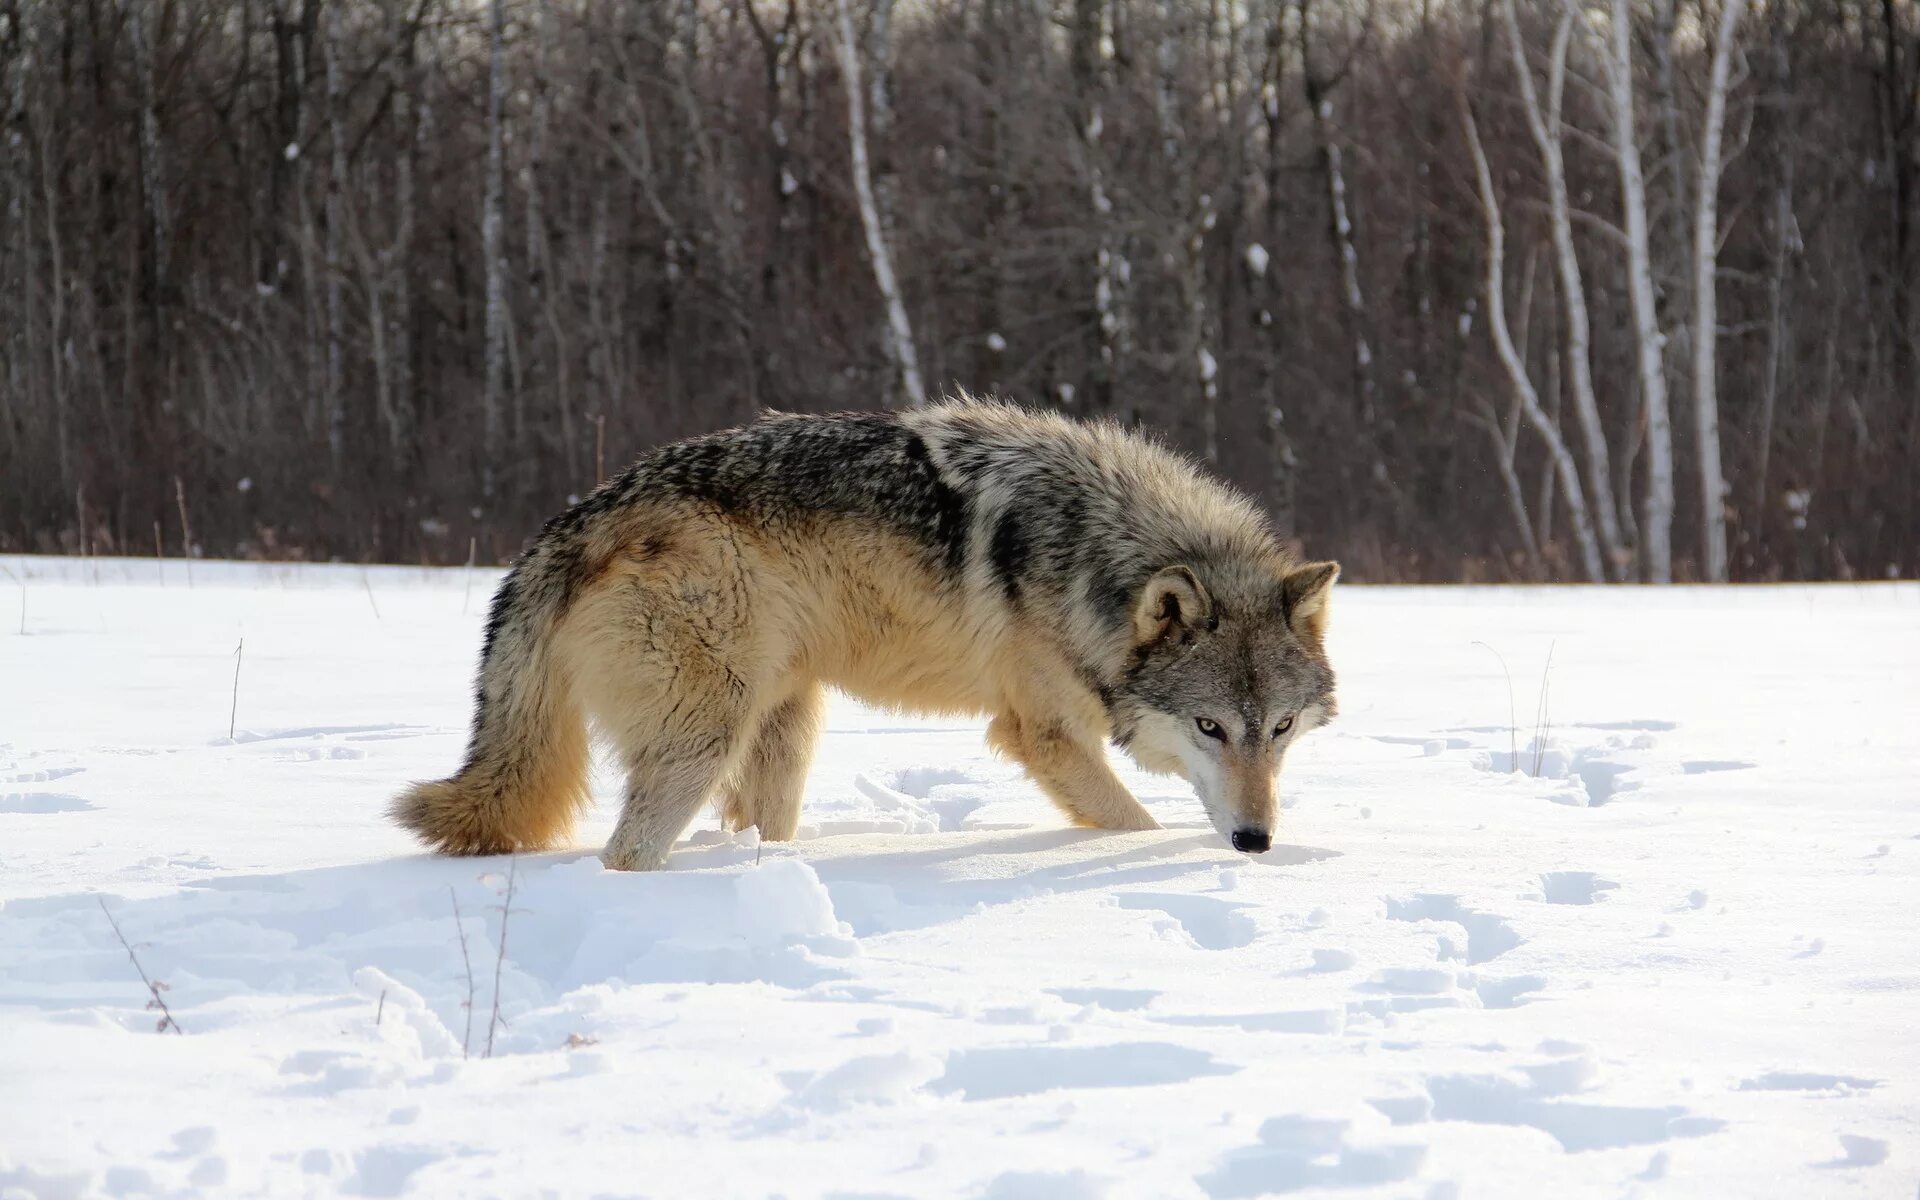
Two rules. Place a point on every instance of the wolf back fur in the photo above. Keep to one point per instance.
(966, 558)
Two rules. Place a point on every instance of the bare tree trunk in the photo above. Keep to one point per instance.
(1505, 439)
(543, 360)
(1358, 320)
(1282, 460)
(1669, 172)
(1706, 252)
(778, 47)
(1195, 217)
(1546, 129)
(1786, 243)
(1616, 57)
(1346, 254)
(1111, 332)
(58, 334)
(911, 391)
(413, 118)
(493, 242)
(1562, 458)
(23, 352)
(145, 372)
(336, 396)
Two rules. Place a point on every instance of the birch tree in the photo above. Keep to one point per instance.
(1545, 126)
(911, 392)
(1706, 252)
(1616, 60)
(1516, 369)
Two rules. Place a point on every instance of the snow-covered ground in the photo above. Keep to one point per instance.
(1683, 958)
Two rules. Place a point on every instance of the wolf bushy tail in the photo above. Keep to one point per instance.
(525, 777)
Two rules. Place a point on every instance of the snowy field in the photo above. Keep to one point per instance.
(1682, 957)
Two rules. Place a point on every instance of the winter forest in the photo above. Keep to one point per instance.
(1459, 289)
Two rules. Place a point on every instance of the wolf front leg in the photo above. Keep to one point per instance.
(1071, 769)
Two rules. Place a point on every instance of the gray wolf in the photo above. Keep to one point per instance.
(1073, 582)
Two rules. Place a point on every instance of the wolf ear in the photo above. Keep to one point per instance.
(1172, 598)
(1304, 593)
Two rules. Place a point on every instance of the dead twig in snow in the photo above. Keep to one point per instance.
(1543, 712)
(466, 1035)
(154, 986)
(366, 581)
(380, 1010)
(500, 963)
(233, 713)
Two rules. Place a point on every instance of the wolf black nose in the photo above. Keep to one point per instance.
(1252, 841)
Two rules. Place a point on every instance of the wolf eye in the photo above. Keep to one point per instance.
(1210, 728)
(1285, 724)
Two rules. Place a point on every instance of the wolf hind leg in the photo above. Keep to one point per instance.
(675, 711)
(1071, 771)
(766, 788)
(676, 751)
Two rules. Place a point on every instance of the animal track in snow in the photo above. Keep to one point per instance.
(1306, 1020)
(1577, 1126)
(354, 733)
(1111, 999)
(919, 782)
(996, 1072)
(1212, 924)
(1807, 1081)
(1509, 992)
(41, 803)
(1702, 766)
(1488, 936)
(1575, 887)
(1857, 1151)
(1636, 726)
(1298, 1152)
(46, 776)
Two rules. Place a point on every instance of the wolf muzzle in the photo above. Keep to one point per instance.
(1252, 841)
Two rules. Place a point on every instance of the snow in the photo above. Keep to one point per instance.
(1680, 959)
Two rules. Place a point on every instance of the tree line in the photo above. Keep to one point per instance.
(1603, 290)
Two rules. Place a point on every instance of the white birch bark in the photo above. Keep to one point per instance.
(1563, 464)
(1706, 403)
(1546, 129)
(911, 391)
(1616, 58)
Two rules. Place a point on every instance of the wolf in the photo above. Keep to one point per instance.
(1073, 582)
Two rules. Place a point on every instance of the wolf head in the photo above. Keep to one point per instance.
(1218, 687)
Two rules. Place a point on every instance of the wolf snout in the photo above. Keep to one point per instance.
(1252, 841)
